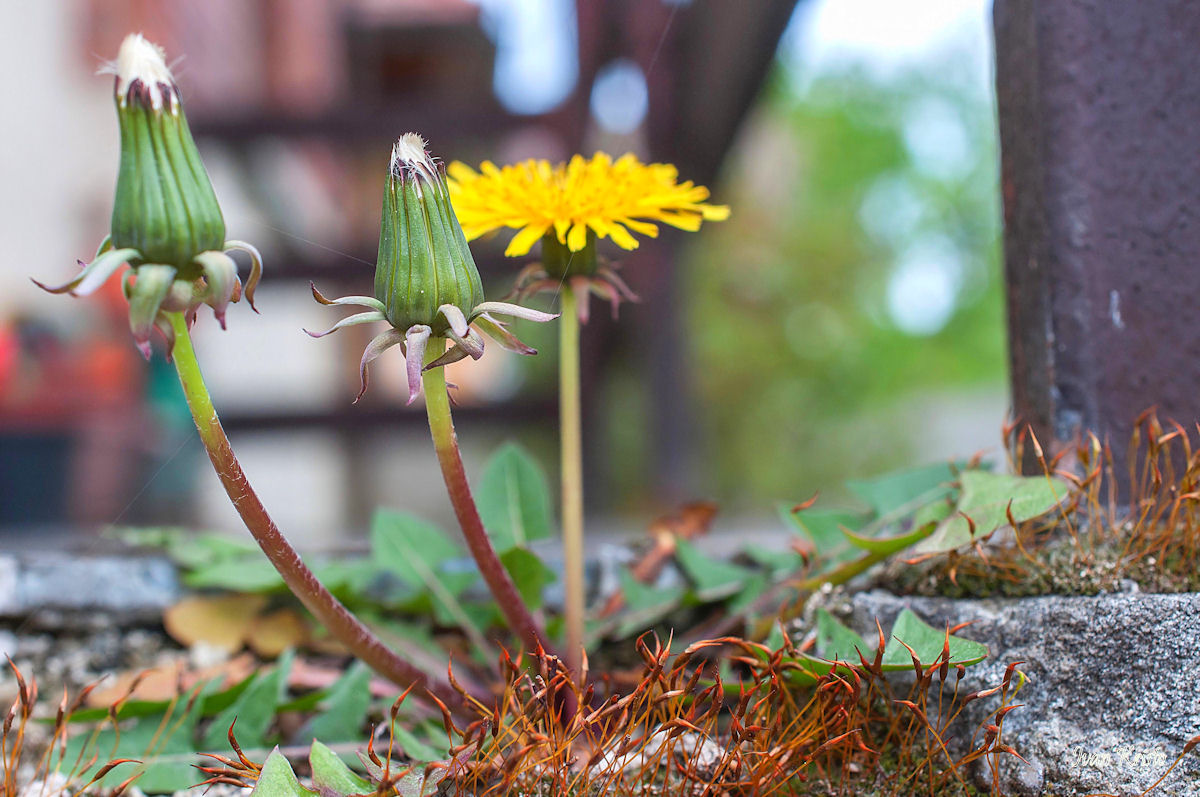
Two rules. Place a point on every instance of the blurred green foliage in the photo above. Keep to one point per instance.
(805, 375)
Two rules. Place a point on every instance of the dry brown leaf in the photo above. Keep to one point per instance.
(170, 680)
(274, 632)
(222, 621)
(691, 521)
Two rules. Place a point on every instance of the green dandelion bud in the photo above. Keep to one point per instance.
(424, 263)
(426, 284)
(166, 222)
(165, 205)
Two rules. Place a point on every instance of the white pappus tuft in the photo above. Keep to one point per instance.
(140, 61)
(409, 153)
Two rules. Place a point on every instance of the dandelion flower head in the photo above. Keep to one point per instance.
(612, 199)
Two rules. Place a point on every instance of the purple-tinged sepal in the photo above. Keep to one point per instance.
(584, 271)
(426, 284)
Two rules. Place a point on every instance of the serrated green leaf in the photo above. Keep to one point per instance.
(211, 703)
(250, 573)
(277, 779)
(164, 743)
(752, 589)
(777, 561)
(513, 497)
(348, 576)
(529, 573)
(985, 499)
(927, 643)
(712, 580)
(645, 605)
(886, 546)
(344, 710)
(415, 551)
(836, 641)
(937, 510)
(416, 749)
(403, 543)
(331, 775)
(892, 491)
(823, 528)
(254, 710)
(186, 547)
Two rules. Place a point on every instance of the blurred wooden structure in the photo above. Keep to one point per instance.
(352, 74)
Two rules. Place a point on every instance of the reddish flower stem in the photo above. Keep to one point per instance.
(347, 628)
(445, 443)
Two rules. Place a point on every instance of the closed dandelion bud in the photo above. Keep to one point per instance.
(166, 223)
(165, 205)
(424, 263)
(426, 285)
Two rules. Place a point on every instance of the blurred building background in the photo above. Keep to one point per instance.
(846, 320)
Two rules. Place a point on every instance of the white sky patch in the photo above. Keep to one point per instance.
(620, 98)
(937, 140)
(536, 62)
(922, 291)
(891, 210)
(886, 35)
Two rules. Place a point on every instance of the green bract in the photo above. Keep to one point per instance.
(582, 270)
(424, 263)
(166, 223)
(426, 284)
(165, 205)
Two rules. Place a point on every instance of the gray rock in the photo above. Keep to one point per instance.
(58, 586)
(1114, 691)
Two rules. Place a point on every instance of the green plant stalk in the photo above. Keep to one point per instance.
(571, 457)
(361, 641)
(445, 443)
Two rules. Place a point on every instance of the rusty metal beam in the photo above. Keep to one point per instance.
(1099, 104)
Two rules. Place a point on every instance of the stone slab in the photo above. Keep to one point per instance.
(1114, 691)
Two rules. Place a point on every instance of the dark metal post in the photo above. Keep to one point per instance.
(1099, 106)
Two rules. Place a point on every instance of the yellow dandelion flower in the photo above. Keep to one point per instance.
(576, 200)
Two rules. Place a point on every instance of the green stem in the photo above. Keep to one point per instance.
(445, 443)
(571, 441)
(361, 641)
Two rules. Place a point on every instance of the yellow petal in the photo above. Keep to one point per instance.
(622, 238)
(523, 241)
(684, 221)
(577, 238)
(461, 171)
(640, 227)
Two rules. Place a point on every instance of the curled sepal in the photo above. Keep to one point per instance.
(361, 301)
(514, 310)
(416, 340)
(163, 325)
(256, 267)
(349, 321)
(94, 274)
(609, 274)
(496, 331)
(455, 318)
(471, 343)
(452, 355)
(378, 345)
(220, 272)
(146, 297)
